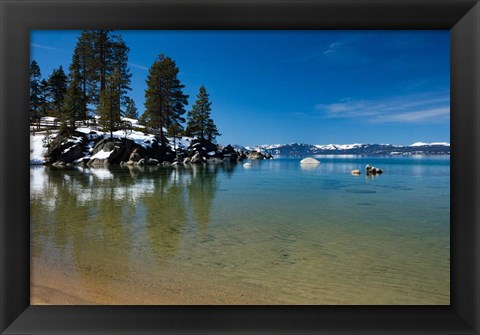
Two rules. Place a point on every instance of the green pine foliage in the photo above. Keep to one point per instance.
(56, 89)
(81, 70)
(110, 103)
(164, 99)
(211, 131)
(35, 92)
(44, 106)
(199, 122)
(76, 98)
(131, 110)
(100, 53)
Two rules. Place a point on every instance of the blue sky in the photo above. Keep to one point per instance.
(315, 87)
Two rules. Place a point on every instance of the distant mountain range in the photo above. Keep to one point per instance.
(301, 149)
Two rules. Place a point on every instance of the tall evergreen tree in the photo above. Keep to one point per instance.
(199, 122)
(131, 110)
(119, 63)
(83, 68)
(35, 91)
(75, 107)
(110, 113)
(44, 92)
(164, 99)
(107, 52)
(57, 87)
(174, 129)
(76, 98)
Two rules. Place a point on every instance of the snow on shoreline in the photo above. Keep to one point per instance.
(37, 150)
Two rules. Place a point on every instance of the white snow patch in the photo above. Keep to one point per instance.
(37, 150)
(102, 154)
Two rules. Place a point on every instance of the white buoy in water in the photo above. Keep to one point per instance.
(247, 165)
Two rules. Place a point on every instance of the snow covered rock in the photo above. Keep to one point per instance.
(66, 149)
(372, 170)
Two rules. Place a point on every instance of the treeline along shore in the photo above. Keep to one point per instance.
(97, 123)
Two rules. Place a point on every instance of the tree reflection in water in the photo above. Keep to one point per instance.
(102, 223)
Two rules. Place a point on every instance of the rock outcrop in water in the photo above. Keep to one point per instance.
(259, 155)
(372, 170)
(96, 150)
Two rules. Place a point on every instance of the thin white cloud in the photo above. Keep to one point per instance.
(317, 54)
(332, 48)
(141, 67)
(407, 109)
(42, 46)
(428, 115)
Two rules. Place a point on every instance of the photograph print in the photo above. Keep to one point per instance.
(216, 167)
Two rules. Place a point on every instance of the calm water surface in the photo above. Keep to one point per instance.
(279, 232)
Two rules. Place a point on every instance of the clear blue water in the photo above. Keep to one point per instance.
(274, 233)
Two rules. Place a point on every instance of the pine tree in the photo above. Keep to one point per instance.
(83, 67)
(199, 123)
(75, 106)
(35, 91)
(174, 130)
(57, 87)
(110, 112)
(119, 63)
(131, 111)
(44, 105)
(105, 53)
(76, 98)
(211, 131)
(102, 53)
(164, 99)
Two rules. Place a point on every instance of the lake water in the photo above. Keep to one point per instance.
(274, 233)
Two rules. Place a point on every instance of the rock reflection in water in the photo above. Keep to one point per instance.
(101, 221)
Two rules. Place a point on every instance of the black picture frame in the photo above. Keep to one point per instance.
(461, 17)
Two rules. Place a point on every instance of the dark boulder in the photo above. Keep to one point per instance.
(372, 170)
(120, 150)
(230, 154)
(66, 148)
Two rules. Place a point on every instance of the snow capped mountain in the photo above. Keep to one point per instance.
(423, 144)
(302, 149)
(338, 146)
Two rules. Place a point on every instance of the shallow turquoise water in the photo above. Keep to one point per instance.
(312, 235)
